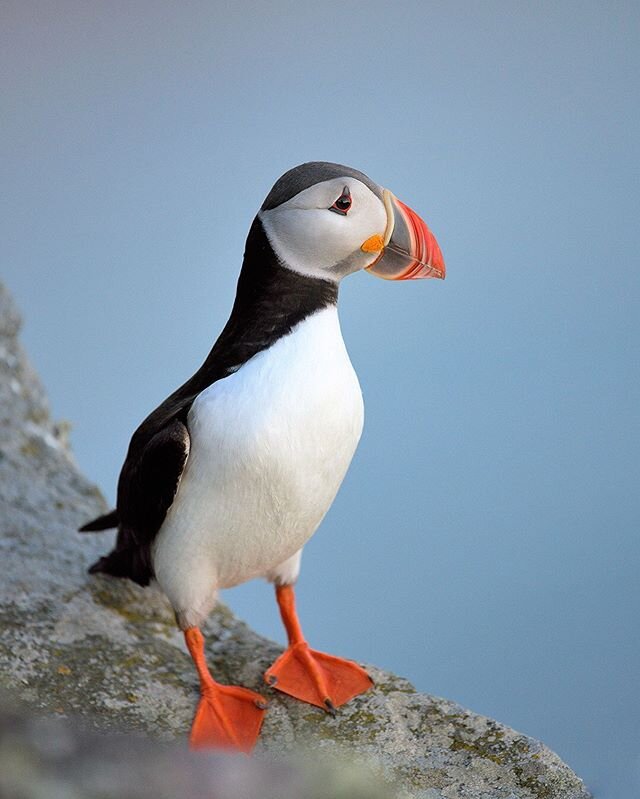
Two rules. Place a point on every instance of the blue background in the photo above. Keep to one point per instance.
(485, 542)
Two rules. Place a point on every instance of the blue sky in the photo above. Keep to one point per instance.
(485, 542)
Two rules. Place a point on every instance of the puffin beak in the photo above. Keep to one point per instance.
(408, 249)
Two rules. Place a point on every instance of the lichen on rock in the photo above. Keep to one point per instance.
(108, 652)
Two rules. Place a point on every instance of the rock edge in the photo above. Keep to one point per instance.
(108, 652)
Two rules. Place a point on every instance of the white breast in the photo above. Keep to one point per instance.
(270, 446)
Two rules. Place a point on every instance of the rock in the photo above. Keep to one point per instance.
(48, 758)
(109, 653)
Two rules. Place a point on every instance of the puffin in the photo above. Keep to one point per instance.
(229, 477)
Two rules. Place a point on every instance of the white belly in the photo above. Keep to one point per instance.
(270, 446)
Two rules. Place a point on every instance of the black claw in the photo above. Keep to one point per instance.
(272, 679)
(330, 707)
(261, 704)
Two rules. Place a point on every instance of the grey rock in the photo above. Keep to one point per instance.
(108, 653)
(49, 758)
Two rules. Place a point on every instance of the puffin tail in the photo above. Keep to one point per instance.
(105, 522)
(129, 558)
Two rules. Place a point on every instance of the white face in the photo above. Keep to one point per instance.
(311, 239)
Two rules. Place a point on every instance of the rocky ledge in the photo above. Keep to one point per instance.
(103, 654)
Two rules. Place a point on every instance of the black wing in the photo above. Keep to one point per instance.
(146, 490)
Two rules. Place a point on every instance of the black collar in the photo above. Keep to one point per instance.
(270, 301)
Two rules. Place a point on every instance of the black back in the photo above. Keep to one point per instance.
(270, 301)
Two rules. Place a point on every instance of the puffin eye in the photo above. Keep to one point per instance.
(343, 203)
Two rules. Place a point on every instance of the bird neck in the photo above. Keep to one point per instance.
(270, 301)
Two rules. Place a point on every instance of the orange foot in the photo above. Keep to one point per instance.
(317, 678)
(314, 677)
(228, 717)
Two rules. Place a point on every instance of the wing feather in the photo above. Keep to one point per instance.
(147, 487)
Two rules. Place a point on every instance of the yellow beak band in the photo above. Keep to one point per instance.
(373, 244)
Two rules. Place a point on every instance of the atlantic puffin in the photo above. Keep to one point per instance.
(229, 477)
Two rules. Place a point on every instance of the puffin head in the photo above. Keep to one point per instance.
(326, 220)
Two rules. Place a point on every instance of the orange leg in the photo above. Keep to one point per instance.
(228, 716)
(314, 677)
